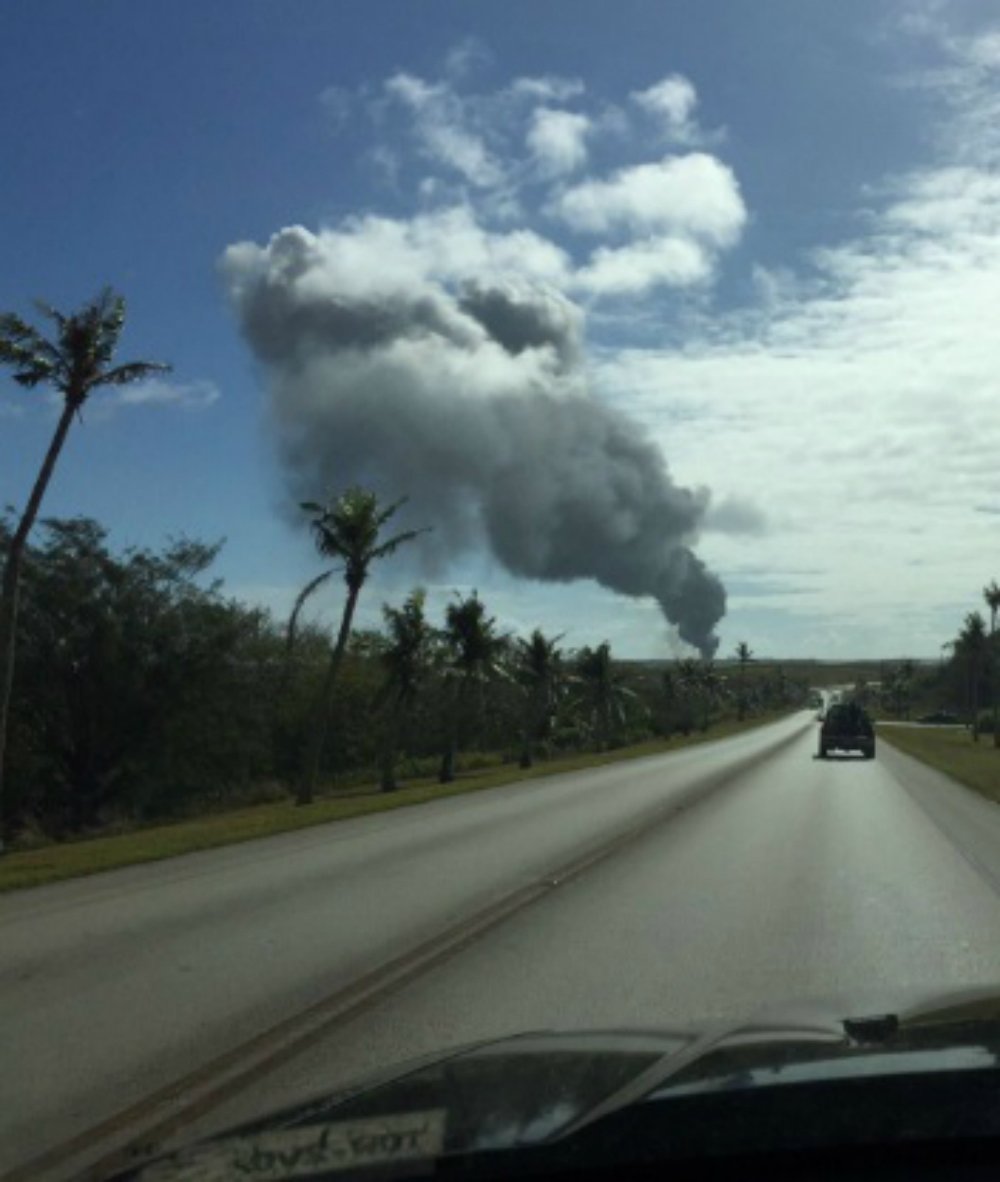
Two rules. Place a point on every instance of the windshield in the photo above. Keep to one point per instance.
(497, 519)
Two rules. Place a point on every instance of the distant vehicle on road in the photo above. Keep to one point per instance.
(847, 727)
(940, 718)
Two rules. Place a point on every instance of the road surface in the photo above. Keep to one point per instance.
(697, 885)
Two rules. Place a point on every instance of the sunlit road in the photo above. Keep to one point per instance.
(784, 877)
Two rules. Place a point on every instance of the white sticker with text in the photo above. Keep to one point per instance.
(300, 1153)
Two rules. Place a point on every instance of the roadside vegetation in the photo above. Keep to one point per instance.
(52, 862)
(961, 688)
(145, 695)
(134, 692)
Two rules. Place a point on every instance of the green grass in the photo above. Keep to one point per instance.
(952, 751)
(51, 863)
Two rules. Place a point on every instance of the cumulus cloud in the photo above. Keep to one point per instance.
(399, 360)
(509, 153)
(637, 268)
(557, 140)
(672, 101)
(695, 195)
(439, 125)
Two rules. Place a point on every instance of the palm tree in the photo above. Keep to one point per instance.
(75, 362)
(744, 656)
(406, 661)
(711, 690)
(348, 528)
(668, 700)
(972, 644)
(604, 693)
(688, 679)
(474, 650)
(538, 669)
(992, 596)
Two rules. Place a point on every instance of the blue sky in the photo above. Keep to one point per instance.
(823, 359)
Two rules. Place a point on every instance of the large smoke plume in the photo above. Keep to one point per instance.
(393, 369)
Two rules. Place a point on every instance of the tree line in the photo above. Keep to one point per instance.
(965, 681)
(144, 692)
(975, 665)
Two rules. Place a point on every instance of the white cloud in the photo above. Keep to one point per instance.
(377, 256)
(548, 88)
(160, 392)
(440, 125)
(557, 140)
(695, 195)
(672, 101)
(643, 265)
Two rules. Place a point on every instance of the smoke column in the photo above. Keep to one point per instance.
(468, 396)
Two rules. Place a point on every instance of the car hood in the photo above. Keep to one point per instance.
(542, 1086)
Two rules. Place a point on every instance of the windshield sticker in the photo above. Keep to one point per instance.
(303, 1153)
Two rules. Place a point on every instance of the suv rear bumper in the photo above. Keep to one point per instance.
(861, 743)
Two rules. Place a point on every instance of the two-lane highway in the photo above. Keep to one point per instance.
(784, 877)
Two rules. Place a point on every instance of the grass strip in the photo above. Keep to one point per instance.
(951, 750)
(72, 859)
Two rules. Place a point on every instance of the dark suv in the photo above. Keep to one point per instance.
(847, 727)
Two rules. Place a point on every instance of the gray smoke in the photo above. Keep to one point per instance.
(469, 397)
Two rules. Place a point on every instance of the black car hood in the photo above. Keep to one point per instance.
(540, 1087)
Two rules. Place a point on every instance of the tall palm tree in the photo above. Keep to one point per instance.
(406, 663)
(604, 693)
(702, 687)
(991, 594)
(348, 527)
(972, 644)
(473, 658)
(711, 690)
(688, 679)
(668, 699)
(74, 362)
(538, 670)
(744, 656)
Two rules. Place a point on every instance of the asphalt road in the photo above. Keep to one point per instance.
(782, 877)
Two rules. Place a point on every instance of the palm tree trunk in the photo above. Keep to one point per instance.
(317, 736)
(531, 727)
(10, 604)
(526, 759)
(974, 697)
(527, 734)
(457, 696)
(447, 773)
